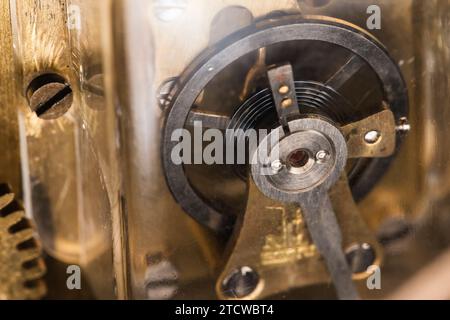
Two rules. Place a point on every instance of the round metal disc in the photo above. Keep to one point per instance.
(310, 134)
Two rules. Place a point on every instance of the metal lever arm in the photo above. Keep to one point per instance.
(325, 232)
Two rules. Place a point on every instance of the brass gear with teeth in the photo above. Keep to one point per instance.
(21, 265)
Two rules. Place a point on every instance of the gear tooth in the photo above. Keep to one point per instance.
(30, 254)
(35, 272)
(22, 236)
(13, 219)
(5, 200)
(38, 291)
(25, 280)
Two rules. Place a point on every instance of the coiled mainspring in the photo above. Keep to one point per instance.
(313, 97)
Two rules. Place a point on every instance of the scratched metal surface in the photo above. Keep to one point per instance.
(64, 185)
(73, 183)
(9, 130)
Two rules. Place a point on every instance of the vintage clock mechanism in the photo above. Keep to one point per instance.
(332, 101)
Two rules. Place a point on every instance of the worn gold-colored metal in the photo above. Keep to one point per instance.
(382, 124)
(409, 190)
(70, 186)
(17, 280)
(9, 128)
(41, 44)
(273, 240)
(291, 243)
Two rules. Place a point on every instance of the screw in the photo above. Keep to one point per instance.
(49, 96)
(322, 156)
(165, 91)
(404, 126)
(169, 10)
(360, 257)
(240, 283)
(372, 137)
(286, 103)
(161, 278)
(284, 89)
(276, 166)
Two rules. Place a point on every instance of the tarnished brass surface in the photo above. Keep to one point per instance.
(291, 243)
(273, 241)
(9, 129)
(41, 45)
(382, 123)
(69, 184)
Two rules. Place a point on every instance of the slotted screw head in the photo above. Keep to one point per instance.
(49, 96)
